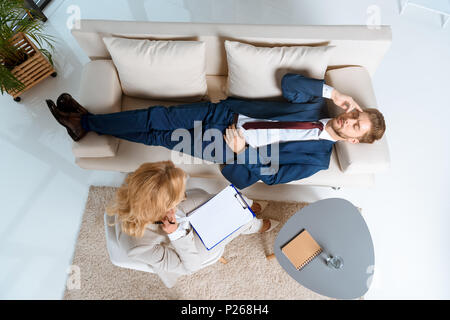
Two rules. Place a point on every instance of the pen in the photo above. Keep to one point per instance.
(159, 222)
(178, 220)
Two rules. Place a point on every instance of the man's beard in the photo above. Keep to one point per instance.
(336, 128)
(339, 132)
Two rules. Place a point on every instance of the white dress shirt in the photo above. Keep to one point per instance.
(262, 137)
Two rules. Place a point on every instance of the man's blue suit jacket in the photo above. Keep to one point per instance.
(297, 159)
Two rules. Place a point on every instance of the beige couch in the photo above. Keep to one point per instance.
(358, 52)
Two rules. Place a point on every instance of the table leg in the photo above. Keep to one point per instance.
(223, 260)
(403, 6)
(445, 20)
(270, 256)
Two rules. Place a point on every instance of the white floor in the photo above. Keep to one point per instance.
(43, 193)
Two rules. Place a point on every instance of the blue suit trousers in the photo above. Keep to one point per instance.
(155, 126)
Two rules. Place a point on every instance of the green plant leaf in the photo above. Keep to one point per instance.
(9, 81)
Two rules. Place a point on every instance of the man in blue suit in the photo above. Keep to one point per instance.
(297, 130)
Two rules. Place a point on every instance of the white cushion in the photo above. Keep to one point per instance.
(363, 157)
(256, 72)
(160, 69)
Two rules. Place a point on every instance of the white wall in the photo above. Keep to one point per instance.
(407, 211)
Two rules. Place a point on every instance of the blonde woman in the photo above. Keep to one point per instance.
(146, 209)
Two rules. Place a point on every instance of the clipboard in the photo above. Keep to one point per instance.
(220, 217)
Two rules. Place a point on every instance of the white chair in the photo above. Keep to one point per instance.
(117, 253)
(119, 256)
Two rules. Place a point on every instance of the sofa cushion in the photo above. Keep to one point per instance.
(333, 176)
(131, 155)
(362, 157)
(256, 72)
(174, 70)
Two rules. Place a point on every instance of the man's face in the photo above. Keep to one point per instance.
(351, 126)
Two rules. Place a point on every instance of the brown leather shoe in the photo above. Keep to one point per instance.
(52, 107)
(70, 120)
(67, 103)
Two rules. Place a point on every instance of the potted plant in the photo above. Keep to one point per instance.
(24, 60)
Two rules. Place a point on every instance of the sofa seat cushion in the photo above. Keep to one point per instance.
(216, 92)
(333, 176)
(217, 88)
(131, 155)
(358, 158)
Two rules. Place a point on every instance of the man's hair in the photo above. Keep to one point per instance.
(378, 126)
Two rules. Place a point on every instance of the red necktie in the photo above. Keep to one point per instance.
(282, 125)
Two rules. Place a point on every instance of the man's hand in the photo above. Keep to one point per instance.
(345, 102)
(234, 139)
(170, 217)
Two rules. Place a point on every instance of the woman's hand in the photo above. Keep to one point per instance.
(167, 226)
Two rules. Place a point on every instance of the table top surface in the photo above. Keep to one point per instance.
(338, 227)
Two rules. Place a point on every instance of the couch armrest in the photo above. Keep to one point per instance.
(100, 93)
(363, 157)
(95, 146)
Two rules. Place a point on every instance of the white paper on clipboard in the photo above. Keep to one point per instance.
(221, 216)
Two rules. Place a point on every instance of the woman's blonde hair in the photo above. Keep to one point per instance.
(146, 196)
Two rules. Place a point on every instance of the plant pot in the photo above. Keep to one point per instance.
(34, 69)
(11, 65)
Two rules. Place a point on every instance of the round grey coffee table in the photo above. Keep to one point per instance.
(340, 230)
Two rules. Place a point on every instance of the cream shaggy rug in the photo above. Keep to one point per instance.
(247, 276)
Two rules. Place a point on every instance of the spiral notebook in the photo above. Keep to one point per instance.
(301, 250)
(220, 217)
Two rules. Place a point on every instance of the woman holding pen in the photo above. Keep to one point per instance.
(149, 213)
